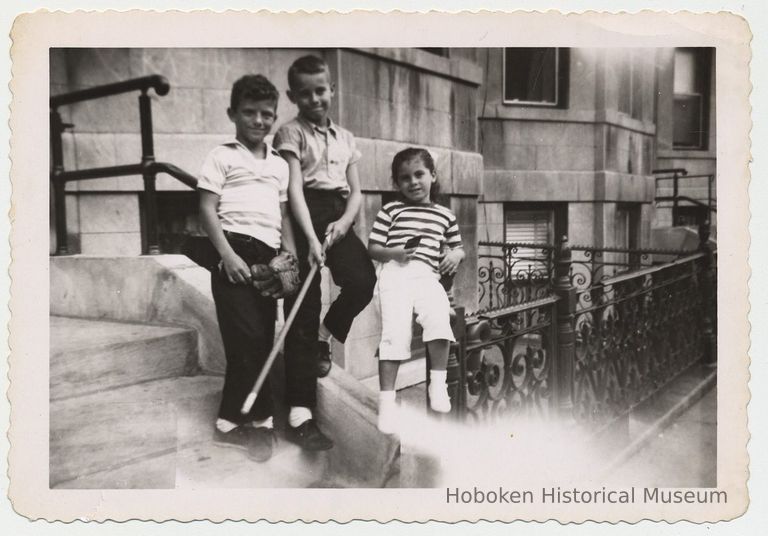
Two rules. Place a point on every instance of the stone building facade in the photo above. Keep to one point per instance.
(530, 143)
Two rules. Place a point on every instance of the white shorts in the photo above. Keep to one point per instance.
(405, 289)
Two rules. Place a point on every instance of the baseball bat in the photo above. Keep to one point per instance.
(251, 398)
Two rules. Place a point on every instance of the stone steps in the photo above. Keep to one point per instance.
(93, 355)
(133, 427)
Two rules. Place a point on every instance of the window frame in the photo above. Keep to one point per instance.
(562, 64)
(703, 65)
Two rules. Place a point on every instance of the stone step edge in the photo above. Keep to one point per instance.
(177, 332)
(286, 449)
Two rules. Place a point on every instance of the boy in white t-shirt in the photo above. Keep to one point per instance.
(243, 207)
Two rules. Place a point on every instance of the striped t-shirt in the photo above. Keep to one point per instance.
(396, 222)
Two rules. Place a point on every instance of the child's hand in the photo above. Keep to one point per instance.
(451, 260)
(336, 231)
(401, 254)
(316, 253)
(236, 270)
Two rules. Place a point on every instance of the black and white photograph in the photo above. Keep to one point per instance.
(487, 272)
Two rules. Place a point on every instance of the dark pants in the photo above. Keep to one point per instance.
(352, 270)
(247, 325)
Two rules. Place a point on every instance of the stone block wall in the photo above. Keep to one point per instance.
(594, 152)
(389, 98)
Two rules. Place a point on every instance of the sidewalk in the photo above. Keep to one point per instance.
(682, 455)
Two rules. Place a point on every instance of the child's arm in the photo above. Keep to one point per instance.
(236, 269)
(288, 241)
(450, 262)
(384, 254)
(299, 207)
(338, 229)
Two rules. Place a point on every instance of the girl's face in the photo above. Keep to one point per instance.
(414, 181)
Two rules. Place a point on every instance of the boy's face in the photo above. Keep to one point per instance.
(253, 120)
(313, 94)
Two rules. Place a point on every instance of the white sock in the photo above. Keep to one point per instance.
(387, 420)
(224, 426)
(264, 423)
(298, 416)
(438, 391)
(438, 377)
(323, 334)
(387, 398)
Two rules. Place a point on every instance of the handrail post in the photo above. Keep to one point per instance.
(149, 175)
(59, 186)
(565, 358)
(457, 366)
(674, 199)
(709, 292)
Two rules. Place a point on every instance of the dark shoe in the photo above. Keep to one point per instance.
(256, 442)
(308, 436)
(262, 442)
(324, 362)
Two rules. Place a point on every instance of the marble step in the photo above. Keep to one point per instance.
(108, 430)
(159, 435)
(94, 355)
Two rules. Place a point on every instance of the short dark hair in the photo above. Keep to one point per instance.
(416, 153)
(255, 87)
(306, 65)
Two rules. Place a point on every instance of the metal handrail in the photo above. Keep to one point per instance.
(678, 174)
(148, 168)
(157, 82)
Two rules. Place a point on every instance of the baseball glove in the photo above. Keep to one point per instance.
(286, 267)
(265, 280)
(279, 278)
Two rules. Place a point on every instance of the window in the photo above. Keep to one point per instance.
(528, 271)
(535, 76)
(531, 226)
(691, 98)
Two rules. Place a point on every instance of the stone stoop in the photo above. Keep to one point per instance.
(123, 415)
(115, 399)
(159, 435)
(93, 355)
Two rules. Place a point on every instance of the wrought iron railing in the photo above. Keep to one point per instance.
(511, 273)
(637, 331)
(582, 332)
(678, 200)
(148, 168)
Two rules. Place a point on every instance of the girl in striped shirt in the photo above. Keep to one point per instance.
(417, 241)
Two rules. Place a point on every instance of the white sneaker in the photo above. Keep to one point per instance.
(439, 400)
(387, 421)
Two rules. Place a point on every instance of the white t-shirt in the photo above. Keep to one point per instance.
(250, 190)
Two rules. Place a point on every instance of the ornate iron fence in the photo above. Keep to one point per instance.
(579, 331)
(511, 273)
(637, 331)
(507, 362)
